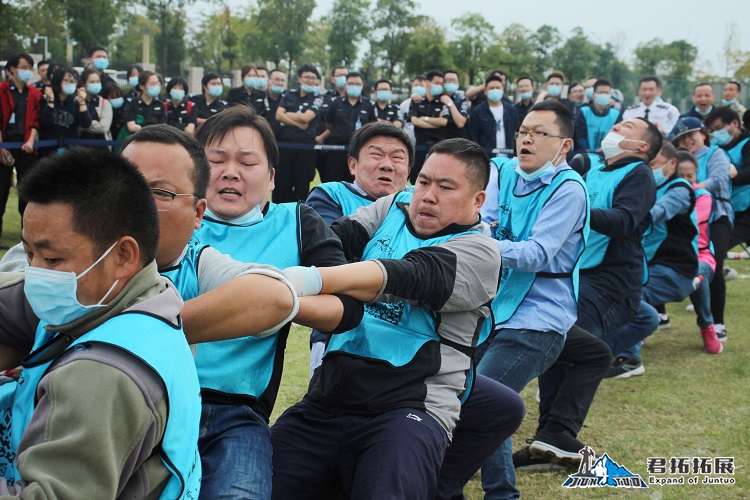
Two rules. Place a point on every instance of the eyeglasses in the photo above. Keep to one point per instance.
(535, 134)
(164, 198)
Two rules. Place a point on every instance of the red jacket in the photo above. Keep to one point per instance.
(33, 107)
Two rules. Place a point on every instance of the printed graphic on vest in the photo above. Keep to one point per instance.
(390, 313)
(603, 471)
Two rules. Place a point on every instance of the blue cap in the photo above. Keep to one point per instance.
(684, 126)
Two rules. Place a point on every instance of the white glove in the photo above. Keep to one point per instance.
(305, 280)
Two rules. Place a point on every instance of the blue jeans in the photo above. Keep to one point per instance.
(236, 454)
(513, 358)
(664, 285)
(701, 298)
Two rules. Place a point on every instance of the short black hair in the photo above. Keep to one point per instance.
(58, 76)
(725, 113)
(450, 71)
(132, 67)
(261, 68)
(376, 129)
(746, 119)
(686, 156)
(168, 135)
(525, 78)
(15, 59)
(492, 78)
(650, 79)
(573, 85)
(432, 74)
(333, 71)
(735, 82)
(563, 116)
(86, 74)
(601, 83)
(222, 123)
(499, 72)
(247, 68)
(275, 70)
(308, 68)
(208, 77)
(384, 80)
(702, 84)
(178, 80)
(471, 154)
(111, 90)
(144, 76)
(653, 137)
(355, 74)
(42, 63)
(556, 74)
(109, 197)
(94, 48)
(668, 150)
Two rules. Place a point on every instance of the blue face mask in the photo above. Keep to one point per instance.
(451, 88)
(117, 102)
(703, 113)
(310, 89)
(177, 94)
(24, 75)
(525, 95)
(94, 88)
(261, 83)
(276, 89)
(722, 137)
(341, 81)
(547, 168)
(215, 90)
(659, 177)
(436, 90)
(590, 92)
(602, 99)
(354, 91)
(419, 90)
(69, 88)
(133, 81)
(554, 90)
(53, 295)
(101, 63)
(384, 95)
(250, 82)
(154, 91)
(729, 102)
(495, 95)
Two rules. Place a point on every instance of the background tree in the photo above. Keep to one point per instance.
(576, 57)
(513, 53)
(167, 15)
(316, 49)
(92, 22)
(427, 50)
(392, 25)
(127, 42)
(282, 27)
(544, 41)
(349, 25)
(470, 49)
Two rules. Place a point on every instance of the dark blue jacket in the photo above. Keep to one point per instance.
(482, 125)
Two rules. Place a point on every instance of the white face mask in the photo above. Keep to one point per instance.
(611, 145)
(546, 168)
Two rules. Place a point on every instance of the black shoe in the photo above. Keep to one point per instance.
(523, 460)
(623, 367)
(558, 447)
(3, 246)
(664, 322)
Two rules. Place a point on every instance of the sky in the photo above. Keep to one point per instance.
(625, 24)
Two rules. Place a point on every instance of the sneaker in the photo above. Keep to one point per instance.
(721, 332)
(558, 447)
(730, 273)
(711, 342)
(623, 367)
(525, 461)
(690, 307)
(664, 322)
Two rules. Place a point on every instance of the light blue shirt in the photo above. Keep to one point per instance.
(553, 247)
(717, 182)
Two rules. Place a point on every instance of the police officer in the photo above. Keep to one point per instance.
(247, 93)
(298, 113)
(458, 106)
(525, 95)
(429, 117)
(386, 112)
(44, 69)
(261, 81)
(346, 116)
(595, 121)
(274, 94)
(652, 107)
(147, 108)
(134, 71)
(180, 113)
(208, 103)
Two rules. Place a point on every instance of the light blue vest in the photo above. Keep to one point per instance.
(598, 127)
(601, 188)
(740, 194)
(393, 332)
(517, 215)
(245, 366)
(345, 197)
(658, 232)
(184, 276)
(164, 349)
(702, 172)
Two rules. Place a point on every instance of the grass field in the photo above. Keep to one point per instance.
(687, 404)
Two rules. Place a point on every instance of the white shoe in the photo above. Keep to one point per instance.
(690, 307)
(730, 273)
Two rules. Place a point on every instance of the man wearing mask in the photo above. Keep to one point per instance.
(386, 111)
(43, 70)
(459, 106)
(492, 124)
(731, 96)
(525, 95)
(595, 120)
(555, 86)
(703, 101)
(419, 87)
(276, 89)
(652, 107)
(429, 117)
(99, 60)
(247, 93)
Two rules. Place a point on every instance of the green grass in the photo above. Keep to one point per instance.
(688, 403)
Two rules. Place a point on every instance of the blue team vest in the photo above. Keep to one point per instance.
(163, 348)
(702, 173)
(601, 188)
(654, 239)
(517, 215)
(740, 194)
(245, 366)
(598, 126)
(345, 197)
(185, 275)
(392, 332)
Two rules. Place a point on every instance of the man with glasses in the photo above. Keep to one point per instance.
(538, 213)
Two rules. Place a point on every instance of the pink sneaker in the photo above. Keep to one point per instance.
(710, 341)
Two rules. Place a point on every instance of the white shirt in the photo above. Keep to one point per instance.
(497, 112)
(660, 113)
(408, 125)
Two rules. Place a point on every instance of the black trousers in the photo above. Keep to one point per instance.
(24, 163)
(336, 167)
(296, 171)
(721, 234)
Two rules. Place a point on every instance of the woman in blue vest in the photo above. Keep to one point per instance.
(691, 135)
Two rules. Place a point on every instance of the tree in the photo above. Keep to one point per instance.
(544, 42)
(673, 62)
(513, 53)
(473, 44)
(127, 43)
(428, 49)
(576, 57)
(92, 22)
(316, 49)
(392, 26)
(282, 29)
(165, 12)
(350, 25)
